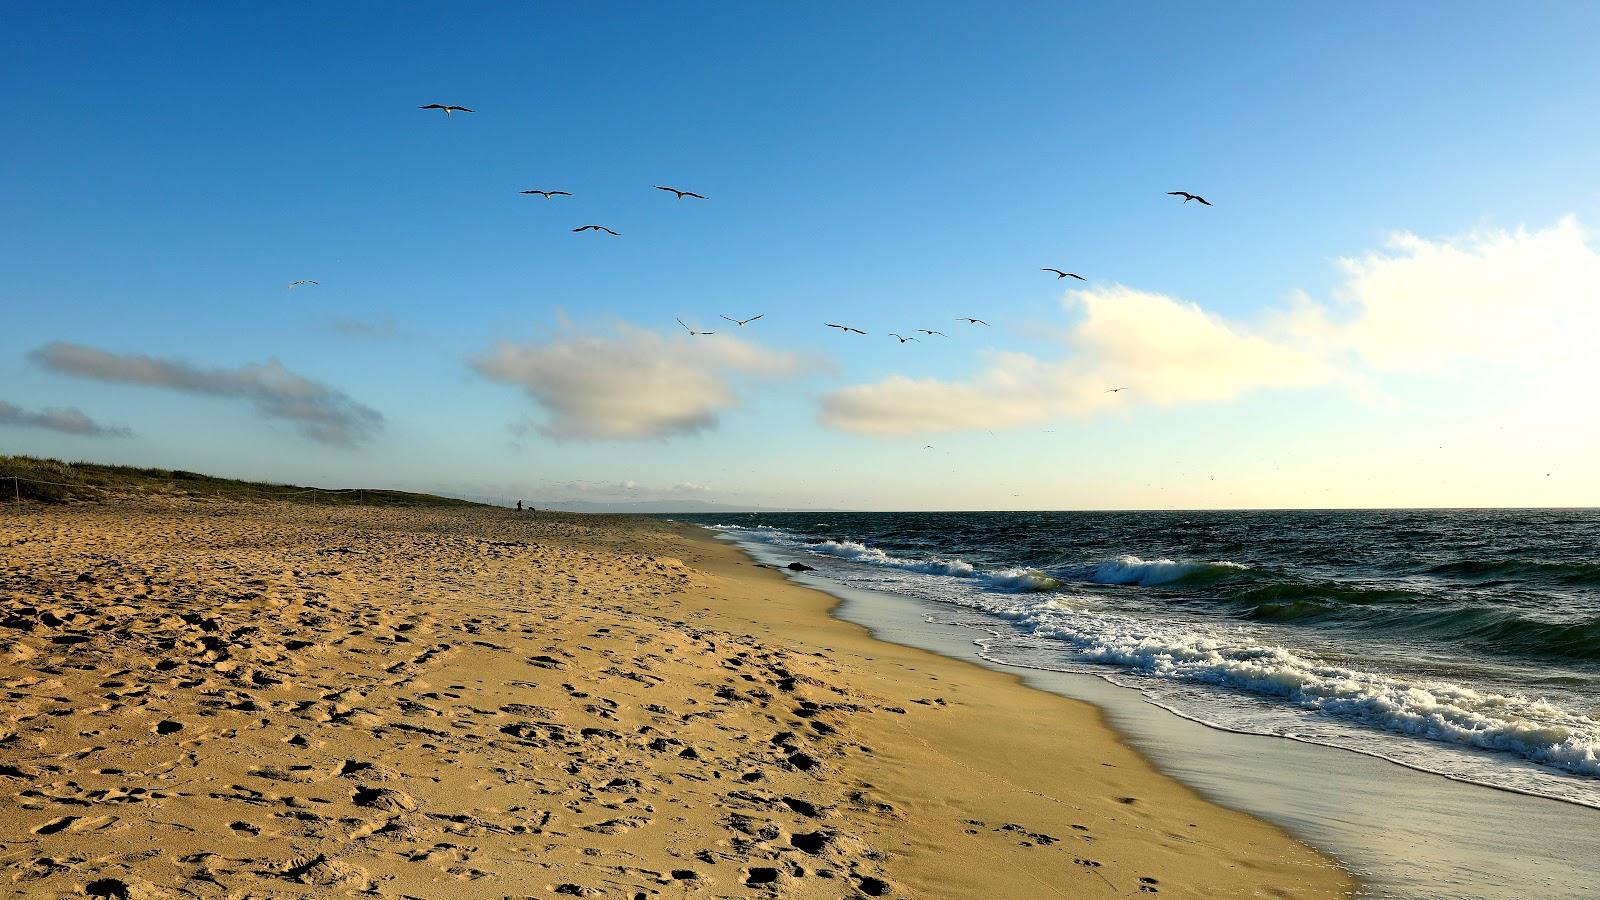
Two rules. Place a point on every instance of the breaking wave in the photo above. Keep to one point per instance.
(1149, 572)
(1433, 710)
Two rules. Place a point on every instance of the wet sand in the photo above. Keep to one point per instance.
(209, 701)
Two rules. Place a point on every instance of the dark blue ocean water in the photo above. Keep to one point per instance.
(1465, 642)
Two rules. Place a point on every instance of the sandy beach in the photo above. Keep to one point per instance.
(228, 700)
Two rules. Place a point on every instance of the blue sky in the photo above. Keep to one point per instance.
(888, 165)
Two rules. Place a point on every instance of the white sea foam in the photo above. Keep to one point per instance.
(1435, 710)
(766, 534)
(1147, 572)
(1020, 581)
(858, 552)
(1235, 659)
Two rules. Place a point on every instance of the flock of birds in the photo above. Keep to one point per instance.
(449, 109)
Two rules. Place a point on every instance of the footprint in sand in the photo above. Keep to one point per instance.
(55, 825)
(108, 887)
(873, 887)
(760, 875)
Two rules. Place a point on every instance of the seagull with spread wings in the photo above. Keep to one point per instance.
(903, 338)
(548, 194)
(931, 333)
(448, 109)
(1188, 196)
(1060, 274)
(845, 328)
(596, 228)
(971, 321)
(295, 284)
(681, 194)
(743, 322)
(692, 332)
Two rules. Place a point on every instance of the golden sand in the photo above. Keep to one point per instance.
(208, 700)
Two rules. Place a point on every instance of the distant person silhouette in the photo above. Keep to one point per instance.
(519, 506)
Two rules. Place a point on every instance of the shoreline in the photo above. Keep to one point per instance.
(1079, 721)
(209, 699)
(1462, 839)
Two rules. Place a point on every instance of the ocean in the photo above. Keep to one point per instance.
(1460, 642)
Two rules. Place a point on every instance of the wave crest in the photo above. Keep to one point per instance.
(1434, 710)
(1021, 581)
(1150, 572)
(859, 552)
(1496, 569)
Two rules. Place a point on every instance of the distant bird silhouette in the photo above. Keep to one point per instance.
(595, 228)
(692, 332)
(939, 333)
(844, 328)
(1061, 274)
(903, 338)
(681, 194)
(1188, 196)
(742, 322)
(447, 108)
(971, 321)
(548, 194)
(1114, 390)
(295, 284)
(927, 446)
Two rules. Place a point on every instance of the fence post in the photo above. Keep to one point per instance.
(16, 485)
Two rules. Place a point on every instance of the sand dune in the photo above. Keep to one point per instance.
(272, 700)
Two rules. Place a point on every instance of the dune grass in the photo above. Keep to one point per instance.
(54, 481)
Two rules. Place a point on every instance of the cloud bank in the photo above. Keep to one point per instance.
(1162, 350)
(319, 412)
(1522, 301)
(633, 385)
(66, 420)
(1517, 300)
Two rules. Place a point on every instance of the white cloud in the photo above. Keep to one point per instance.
(1518, 300)
(1512, 299)
(634, 385)
(1163, 350)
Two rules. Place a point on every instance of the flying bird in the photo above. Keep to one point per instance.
(844, 328)
(971, 321)
(295, 284)
(903, 338)
(596, 228)
(681, 194)
(548, 194)
(1114, 390)
(447, 108)
(742, 322)
(939, 333)
(1188, 196)
(1061, 274)
(692, 332)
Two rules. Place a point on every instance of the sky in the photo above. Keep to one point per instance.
(1393, 299)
